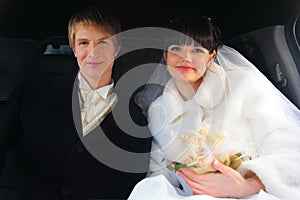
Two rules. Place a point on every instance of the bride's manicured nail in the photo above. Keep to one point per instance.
(216, 162)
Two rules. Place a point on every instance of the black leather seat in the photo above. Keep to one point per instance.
(21, 62)
(18, 58)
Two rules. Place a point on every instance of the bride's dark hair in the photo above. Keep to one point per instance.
(198, 28)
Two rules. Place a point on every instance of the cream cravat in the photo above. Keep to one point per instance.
(90, 101)
(94, 108)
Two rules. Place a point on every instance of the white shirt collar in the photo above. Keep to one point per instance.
(103, 91)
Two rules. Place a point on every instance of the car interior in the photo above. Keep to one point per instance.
(270, 40)
(275, 51)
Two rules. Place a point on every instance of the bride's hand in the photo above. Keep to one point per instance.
(225, 183)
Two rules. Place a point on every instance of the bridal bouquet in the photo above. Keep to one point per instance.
(201, 149)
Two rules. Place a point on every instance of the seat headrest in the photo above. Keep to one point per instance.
(57, 45)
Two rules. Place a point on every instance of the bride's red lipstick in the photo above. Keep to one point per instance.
(185, 67)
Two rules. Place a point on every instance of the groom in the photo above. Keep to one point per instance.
(74, 147)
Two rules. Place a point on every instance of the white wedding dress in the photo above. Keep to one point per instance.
(252, 116)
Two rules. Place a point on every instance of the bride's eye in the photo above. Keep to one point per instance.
(197, 50)
(175, 48)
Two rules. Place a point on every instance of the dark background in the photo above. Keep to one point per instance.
(39, 19)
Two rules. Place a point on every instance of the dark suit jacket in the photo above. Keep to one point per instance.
(105, 164)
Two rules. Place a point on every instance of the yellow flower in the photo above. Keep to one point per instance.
(202, 149)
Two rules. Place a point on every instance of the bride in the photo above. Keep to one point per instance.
(220, 128)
